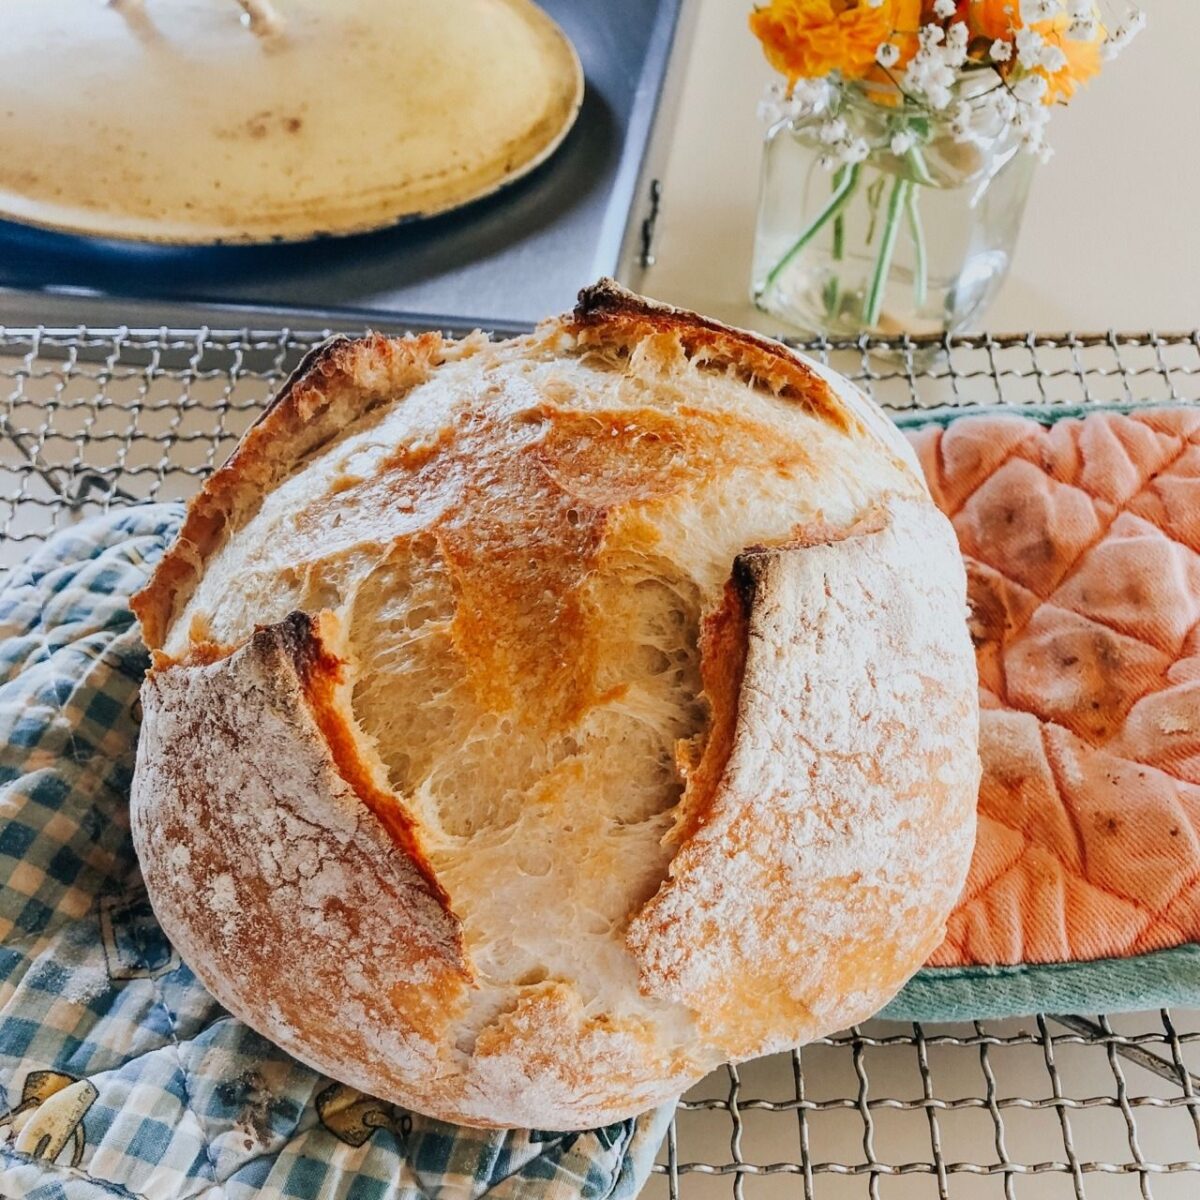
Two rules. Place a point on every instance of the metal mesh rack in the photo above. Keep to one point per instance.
(1036, 1109)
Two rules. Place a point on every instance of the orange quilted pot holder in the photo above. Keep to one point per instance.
(1082, 544)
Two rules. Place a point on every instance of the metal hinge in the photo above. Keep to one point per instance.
(647, 257)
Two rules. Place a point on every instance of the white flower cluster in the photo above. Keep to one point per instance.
(1033, 11)
(1119, 38)
(842, 148)
(808, 98)
(932, 76)
(1033, 51)
(1085, 24)
(933, 70)
(1030, 116)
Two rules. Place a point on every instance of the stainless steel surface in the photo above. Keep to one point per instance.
(1076, 1106)
(518, 255)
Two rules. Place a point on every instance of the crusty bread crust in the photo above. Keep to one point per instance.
(300, 881)
(334, 385)
(611, 314)
(801, 900)
(826, 812)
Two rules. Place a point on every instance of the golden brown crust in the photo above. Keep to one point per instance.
(722, 665)
(274, 879)
(612, 314)
(321, 674)
(343, 378)
(334, 385)
(840, 833)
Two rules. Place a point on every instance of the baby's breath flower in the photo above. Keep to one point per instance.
(834, 131)
(931, 35)
(769, 111)
(944, 9)
(1083, 29)
(1124, 33)
(1029, 47)
(954, 54)
(903, 140)
(1078, 9)
(1002, 104)
(856, 151)
(941, 74)
(810, 97)
(1052, 59)
(960, 122)
(1033, 11)
(1001, 51)
(1031, 89)
(770, 107)
(887, 55)
(1029, 120)
(1029, 117)
(939, 97)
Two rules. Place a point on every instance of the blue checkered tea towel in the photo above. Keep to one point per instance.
(120, 1076)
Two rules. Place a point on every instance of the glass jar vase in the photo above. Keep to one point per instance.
(914, 237)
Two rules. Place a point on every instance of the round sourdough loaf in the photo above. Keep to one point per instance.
(536, 724)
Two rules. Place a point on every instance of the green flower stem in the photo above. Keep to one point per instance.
(887, 247)
(916, 160)
(874, 195)
(917, 230)
(836, 203)
(839, 222)
(839, 237)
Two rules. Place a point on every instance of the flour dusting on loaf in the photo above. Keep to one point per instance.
(571, 713)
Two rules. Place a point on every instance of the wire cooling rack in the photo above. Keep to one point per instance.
(1037, 1109)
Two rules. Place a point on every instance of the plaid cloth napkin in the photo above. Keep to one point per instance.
(120, 1076)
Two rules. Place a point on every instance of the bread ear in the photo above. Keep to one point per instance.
(336, 384)
(275, 870)
(766, 922)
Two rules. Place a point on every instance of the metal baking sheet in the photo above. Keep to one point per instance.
(512, 258)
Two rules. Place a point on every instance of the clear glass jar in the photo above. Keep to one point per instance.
(917, 242)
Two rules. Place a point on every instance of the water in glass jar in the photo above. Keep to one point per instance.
(916, 244)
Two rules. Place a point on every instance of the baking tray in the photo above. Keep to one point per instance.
(517, 255)
(1046, 1108)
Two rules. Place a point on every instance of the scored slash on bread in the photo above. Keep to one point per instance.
(536, 724)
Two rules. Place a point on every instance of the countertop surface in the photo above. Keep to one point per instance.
(1110, 238)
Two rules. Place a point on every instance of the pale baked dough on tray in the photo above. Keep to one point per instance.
(536, 724)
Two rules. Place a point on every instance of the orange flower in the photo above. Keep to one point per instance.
(1083, 60)
(806, 39)
(1000, 18)
(994, 18)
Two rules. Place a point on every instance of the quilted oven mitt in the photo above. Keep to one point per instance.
(1082, 544)
(119, 1075)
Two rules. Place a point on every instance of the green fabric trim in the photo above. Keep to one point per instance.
(1045, 414)
(1158, 980)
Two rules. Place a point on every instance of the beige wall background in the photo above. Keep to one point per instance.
(1112, 232)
